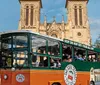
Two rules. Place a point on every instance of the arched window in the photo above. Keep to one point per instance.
(31, 16)
(54, 35)
(27, 15)
(75, 15)
(80, 15)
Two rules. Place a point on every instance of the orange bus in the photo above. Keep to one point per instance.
(28, 58)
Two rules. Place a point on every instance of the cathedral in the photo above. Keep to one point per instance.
(76, 28)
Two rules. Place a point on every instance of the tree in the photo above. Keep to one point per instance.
(97, 42)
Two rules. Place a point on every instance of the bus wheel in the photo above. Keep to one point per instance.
(56, 83)
(92, 83)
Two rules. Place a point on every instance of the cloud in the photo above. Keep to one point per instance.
(94, 28)
(94, 21)
(52, 10)
(58, 14)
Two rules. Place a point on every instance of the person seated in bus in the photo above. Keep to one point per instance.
(75, 56)
(84, 57)
(53, 64)
(89, 58)
(69, 58)
(58, 63)
(37, 63)
(46, 62)
(34, 58)
(64, 59)
(80, 57)
(49, 53)
(93, 58)
(98, 59)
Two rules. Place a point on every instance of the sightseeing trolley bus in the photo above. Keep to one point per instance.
(28, 58)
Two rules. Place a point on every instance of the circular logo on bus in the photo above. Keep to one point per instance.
(70, 75)
(20, 78)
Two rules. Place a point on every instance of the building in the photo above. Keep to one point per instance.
(76, 28)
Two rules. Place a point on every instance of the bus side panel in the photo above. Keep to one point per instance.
(41, 77)
(83, 78)
(21, 77)
(17, 77)
(6, 77)
(46, 77)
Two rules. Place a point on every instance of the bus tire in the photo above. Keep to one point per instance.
(92, 83)
(56, 83)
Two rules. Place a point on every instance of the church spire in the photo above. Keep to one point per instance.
(45, 20)
(54, 19)
(62, 18)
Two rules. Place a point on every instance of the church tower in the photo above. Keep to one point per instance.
(30, 15)
(78, 21)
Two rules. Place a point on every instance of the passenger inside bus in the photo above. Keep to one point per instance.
(79, 54)
(67, 53)
(92, 58)
(55, 63)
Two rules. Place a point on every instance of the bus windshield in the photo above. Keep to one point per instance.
(14, 50)
(0, 53)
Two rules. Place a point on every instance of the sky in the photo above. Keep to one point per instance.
(10, 14)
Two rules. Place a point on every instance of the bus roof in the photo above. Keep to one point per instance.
(28, 31)
(77, 44)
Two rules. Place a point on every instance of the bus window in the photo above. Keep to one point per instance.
(20, 58)
(98, 57)
(39, 61)
(53, 48)
(6, 58)
(92, 56)
(6, 51)
(79, 54)
(6, 42)
(0, 43)
(0, 53)
(67, 53)
(0, 60)
(38, 45)
(20, 41)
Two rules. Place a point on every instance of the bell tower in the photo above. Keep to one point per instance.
(30, 15)
(78, 18)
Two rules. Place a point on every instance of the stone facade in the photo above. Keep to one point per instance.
(77, 26)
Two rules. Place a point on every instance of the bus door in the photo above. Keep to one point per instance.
(21, 73)
(6, 60)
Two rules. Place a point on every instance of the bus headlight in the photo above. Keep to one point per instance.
(5, 76)
(13, 69)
